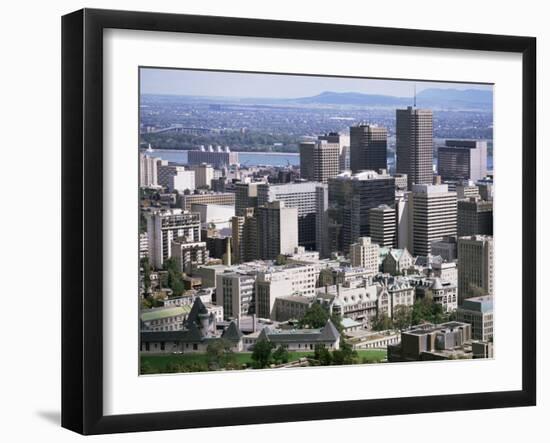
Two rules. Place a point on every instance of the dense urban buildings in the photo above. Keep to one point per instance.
(311, 200)
(351, 196)
(218, 157)
(311, 237)
(462, 160)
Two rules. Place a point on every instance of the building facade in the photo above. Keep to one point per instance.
(462, 160)
(167, 225)
(383, 226)
(414, 145)
(434, 214)
(368, 147)
(475, 266)
(319, 160)
(351, 196)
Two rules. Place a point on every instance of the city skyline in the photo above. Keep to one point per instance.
(376, 247)
(219, 84)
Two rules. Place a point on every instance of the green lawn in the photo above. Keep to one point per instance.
(162, 363)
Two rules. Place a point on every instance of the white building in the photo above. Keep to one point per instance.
(282, 281)
(433, 215)
(364, 254)
(148, 171)
(167, 225)
(235, 293)
(176, 178)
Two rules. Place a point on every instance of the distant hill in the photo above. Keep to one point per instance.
(430, 98)
(434, 98)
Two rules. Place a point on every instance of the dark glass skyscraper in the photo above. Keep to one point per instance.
(368, 147)
(350, 199)
(414, 145)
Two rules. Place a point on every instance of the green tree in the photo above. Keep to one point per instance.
(219, 353)
(422, 310)
(261, 354)
(280, 355)
(146, 273)
(346, 355)
(382, 322)
(402, 317)
(315, 317)
(174, 280)
(281, 260)
(336, 320)
(322, 355)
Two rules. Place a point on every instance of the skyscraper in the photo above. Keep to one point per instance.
(434, 216)
(148, 171)
(245, 237)
(368, 147)
(364, 254)
(382, 226)
(319, 160)
(277, 230)
(311, 207)
(414, 145)
(351, 196)
(462, 160)
(475, 266)
(343, 141)
(168, 225)
(475, 217)
(246, 196)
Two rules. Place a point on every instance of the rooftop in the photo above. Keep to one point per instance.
(160, 313)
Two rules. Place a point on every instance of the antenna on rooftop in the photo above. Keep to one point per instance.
(414, 102)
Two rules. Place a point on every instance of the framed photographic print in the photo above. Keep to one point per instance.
(270, 221)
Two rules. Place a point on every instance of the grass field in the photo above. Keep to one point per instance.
(161, 363)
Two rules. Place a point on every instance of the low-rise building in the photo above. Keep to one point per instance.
(397, 261)
(198, 331)
(303, 339)
(478, 311)
(447, 341)
(169, 318)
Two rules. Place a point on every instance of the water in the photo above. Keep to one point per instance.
(245, 158)
(263, 158)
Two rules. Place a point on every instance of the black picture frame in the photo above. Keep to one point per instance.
(82, 188)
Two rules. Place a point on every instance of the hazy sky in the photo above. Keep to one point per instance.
(228, 84)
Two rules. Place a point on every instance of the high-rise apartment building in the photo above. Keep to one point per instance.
(382, 226)
(167, 225)
(414, 145)
(364, 254)
(368, 147)
(277, 230)
(462, 160)
(351, 196)
(319, 160)
(204, 174)
(475, 217)
(246, 196)
(434, 212)
(311, 199)
(148, 171)
(475, 266)
(343, 141)
(235, 292)
(245, 237)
